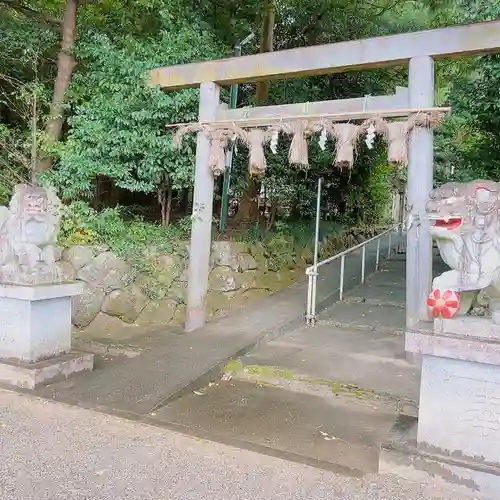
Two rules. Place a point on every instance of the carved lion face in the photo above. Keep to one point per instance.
(455, 207)
(446, 210)
(34, 205)
(32, 202)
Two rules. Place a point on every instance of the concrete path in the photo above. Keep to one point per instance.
(173, 364)
(325, 395)
(52, 451)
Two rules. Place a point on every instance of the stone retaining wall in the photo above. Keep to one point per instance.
(240, 273)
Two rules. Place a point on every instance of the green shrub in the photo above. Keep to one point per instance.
(134, 240)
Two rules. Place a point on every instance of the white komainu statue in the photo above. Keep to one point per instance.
(464, 221)
(29, 228)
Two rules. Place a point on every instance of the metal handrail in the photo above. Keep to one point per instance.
(312, 271)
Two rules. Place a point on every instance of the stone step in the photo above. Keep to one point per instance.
(387, 278)
(396, 263)
(367, 359)
(364, 316)
(376, 296)
(327, 431)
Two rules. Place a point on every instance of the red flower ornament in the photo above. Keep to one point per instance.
(443, 303)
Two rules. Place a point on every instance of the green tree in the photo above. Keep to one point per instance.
(467, 144)
(26, 52)
(117, 126)
(110, 125)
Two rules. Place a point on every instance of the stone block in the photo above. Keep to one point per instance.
(180, 315)
(126, 304)
(36, 321)
(223, 279)
(107, 272)
(400, 455)
(246, 262)
(178, 292)
(168, 269)
(32, 375)
(459, 413)
(481, 344)
(158, 312)
(259, 253)
(79, 255)
(87, 305)
(457, 439)
(248, 279)
(225, 253)
(460, 408)
(468, 326)
(68, 271)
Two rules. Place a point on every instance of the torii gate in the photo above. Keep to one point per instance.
(418, 50)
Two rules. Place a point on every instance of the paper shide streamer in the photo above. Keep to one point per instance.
(345, 136)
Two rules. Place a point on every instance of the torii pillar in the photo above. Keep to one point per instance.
(420, 182)
(201, 229)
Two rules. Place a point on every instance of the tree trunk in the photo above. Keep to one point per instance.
(65, 66)
(272, 215)
(188, 202)
(165, 199)
(34, 142)
(248, 209)
(266, 44)
(168, 210)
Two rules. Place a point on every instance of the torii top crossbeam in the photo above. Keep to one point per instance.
(392, 50)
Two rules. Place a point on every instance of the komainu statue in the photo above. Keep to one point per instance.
(464, 221)
(29, 228)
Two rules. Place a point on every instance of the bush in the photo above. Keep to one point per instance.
(134, 241)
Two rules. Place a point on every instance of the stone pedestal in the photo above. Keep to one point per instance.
(35, 334)
(456, 440)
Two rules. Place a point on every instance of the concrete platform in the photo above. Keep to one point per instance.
(325, 394)
(318, 424)
(364, 316)
(368, 359)
(41, 373)
(328, 432)
(460, 475)
(378, 295)
(52, 451)
(387, 279)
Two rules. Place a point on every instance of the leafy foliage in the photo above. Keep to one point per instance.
(117, 124)
(26, 49)
(133, 240)
(467, 146)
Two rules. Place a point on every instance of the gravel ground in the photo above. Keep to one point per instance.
(53, 451)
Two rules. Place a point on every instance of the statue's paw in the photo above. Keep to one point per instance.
(5, 253)
(495, 316)
(51, 254)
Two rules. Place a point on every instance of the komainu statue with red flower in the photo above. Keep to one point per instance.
(465, 224)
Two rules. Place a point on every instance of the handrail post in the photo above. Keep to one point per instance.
(341, 292)
(316, 229)
(363, 258)
(313, 298)
(378, 255)
(313, 276)
(309, 297)
(400, 235)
